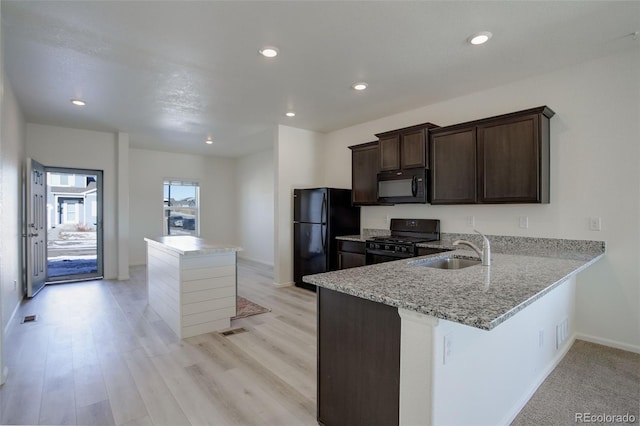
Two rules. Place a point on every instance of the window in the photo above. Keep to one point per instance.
(60, 179)
(181, 207)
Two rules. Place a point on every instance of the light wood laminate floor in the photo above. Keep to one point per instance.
(98, 355)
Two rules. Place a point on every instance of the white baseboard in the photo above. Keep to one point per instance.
(4, 375)
(280, 285)
(250, 259)
(12, 317)
(541, 378)
(610, 343)
(123, 277)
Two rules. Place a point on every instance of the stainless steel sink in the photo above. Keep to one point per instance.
(448, 262)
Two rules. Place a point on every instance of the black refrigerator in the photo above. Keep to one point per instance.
(319, 216)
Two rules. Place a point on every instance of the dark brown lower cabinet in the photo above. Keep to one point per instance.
(358, 361)
(351, 254)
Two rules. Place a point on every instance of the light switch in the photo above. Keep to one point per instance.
(524, 222)
(595, 224)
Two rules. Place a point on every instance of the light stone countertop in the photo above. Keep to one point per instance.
(357, 238)
(188, 245)
(478, 296)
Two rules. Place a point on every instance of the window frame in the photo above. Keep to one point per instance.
(168, 208)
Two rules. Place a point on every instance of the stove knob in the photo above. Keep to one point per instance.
(377, 246)
(387, 247)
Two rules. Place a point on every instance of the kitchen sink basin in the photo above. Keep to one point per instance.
(449, 262)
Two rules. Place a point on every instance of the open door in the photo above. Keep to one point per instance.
(36, 226)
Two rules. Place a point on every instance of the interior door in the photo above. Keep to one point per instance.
(36, 227)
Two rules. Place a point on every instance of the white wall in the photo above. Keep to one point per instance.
(13, 133)
(298, 165)
(83, 149)
(11, 154)
(147, 171)
(467, 390)
(594, 173)
(255, 192)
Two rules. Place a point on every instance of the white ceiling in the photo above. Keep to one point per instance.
(171, 73)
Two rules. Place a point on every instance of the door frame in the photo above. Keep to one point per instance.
(99, 222)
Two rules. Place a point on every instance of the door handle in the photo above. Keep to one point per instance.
(414, 186)
(324, 213)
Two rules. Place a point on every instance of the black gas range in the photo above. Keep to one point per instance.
(401, 243)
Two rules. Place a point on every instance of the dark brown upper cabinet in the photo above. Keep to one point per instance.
(405, 148)
(503, 159)
(364, 174)
(453, 167)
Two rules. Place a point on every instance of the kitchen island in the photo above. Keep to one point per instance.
(192, 283)
(433, 346)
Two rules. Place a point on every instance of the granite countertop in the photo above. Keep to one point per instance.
(478, 296)
(358, 238)
(188, 245)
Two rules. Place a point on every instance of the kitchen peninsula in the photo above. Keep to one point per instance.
(412, 344)
(192, 283)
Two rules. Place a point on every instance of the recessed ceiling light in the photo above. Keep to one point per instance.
(78, 102)
(480, 38)
(209, 141)
(269, 52)
(361, 85)
(290, 114)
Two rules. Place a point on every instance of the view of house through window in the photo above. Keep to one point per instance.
(181, 208)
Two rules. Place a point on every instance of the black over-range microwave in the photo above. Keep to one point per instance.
(402, 186)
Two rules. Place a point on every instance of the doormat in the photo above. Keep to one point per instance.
(246, 308)
(65, 267)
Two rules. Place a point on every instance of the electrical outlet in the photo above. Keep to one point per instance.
(562, 332)
(540, 338)
(471, 221)
(595, 224)
(448, 348)
(524, 222)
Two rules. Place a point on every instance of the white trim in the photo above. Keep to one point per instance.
(122, 215)
(12, 317)
(607, 342)
(280, 285)
(417, 357)
(250, 259)
(508, 419)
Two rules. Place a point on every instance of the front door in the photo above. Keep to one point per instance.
(36, 226)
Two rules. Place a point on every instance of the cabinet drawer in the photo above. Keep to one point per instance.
(351, 246)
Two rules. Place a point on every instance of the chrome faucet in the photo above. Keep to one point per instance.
(485, 253)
